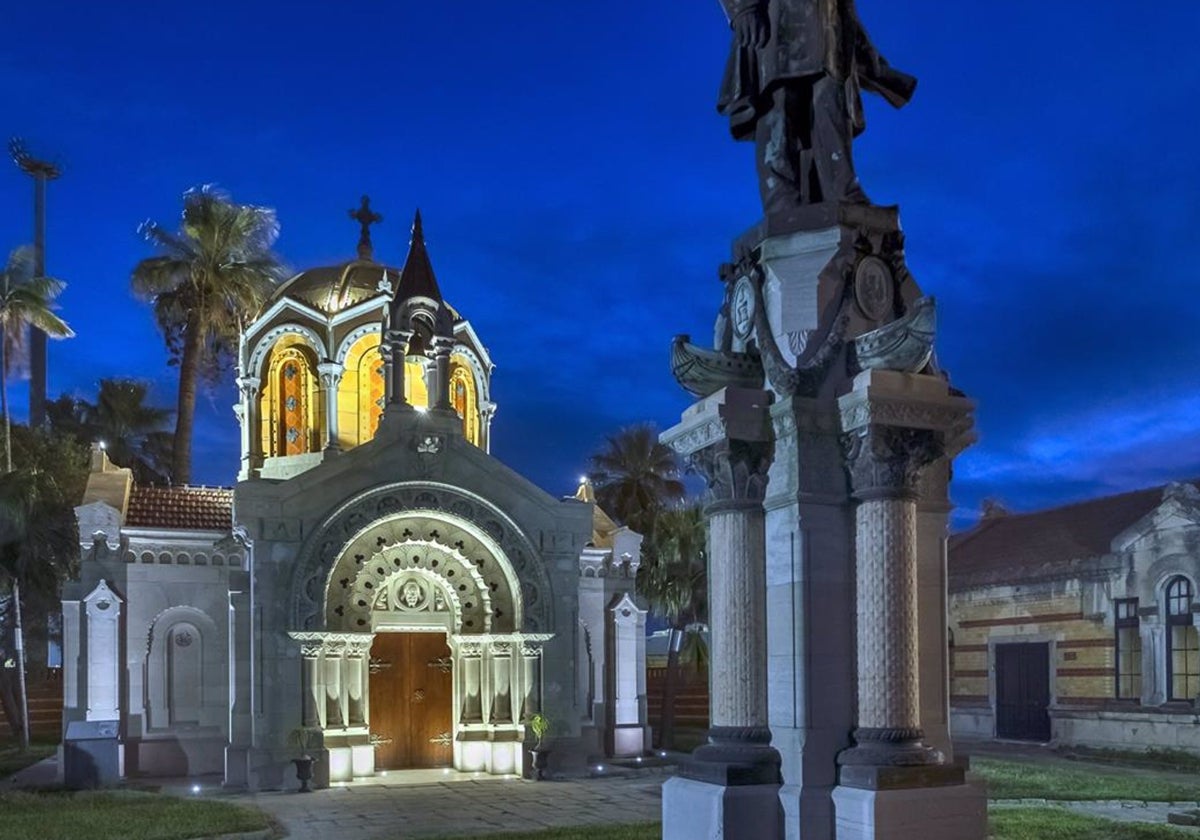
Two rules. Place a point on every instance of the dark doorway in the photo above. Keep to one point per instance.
(412, 692)
(1023, 691)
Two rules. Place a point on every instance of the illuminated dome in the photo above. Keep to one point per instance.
(333, 288)
(312, 371)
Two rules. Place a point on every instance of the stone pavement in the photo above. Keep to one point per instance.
(385, 809)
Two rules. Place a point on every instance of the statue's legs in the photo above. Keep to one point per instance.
(803, 145)
(832, 140)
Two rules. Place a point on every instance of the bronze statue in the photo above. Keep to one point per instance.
(793, 84)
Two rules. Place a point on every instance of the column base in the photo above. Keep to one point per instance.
(734, 756)
(692, 810)
(890, 748)
(958, 812)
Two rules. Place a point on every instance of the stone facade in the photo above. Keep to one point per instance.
(1100, 598)
(218, 626)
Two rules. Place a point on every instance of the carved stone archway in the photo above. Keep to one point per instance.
(412, 558)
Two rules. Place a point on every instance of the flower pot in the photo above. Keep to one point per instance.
(541, 758)
(304, 765)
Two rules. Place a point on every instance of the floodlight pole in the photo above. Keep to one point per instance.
(41, 171)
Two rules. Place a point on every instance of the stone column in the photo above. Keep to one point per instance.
(885, 465)
(331, 375)
(531, 689)
(439, 393)
(334, 710)
(393, 351)
(248, 387)
(314, 692)
(726, 439)
(356, 684)
(895, 427)
(486, 412)
(471, 685)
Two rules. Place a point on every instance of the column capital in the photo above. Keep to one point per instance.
(248, 386)
(887, 461)
(330, 373)
(734, 472)
(726, 438)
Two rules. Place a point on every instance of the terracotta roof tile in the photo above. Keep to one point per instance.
(186, 507)
(1016, 548)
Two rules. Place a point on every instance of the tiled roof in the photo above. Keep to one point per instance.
(184, 508)
(1017, 548)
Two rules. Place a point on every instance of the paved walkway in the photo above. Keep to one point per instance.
(383, 809)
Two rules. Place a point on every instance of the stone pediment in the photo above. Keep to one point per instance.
(1179, 511)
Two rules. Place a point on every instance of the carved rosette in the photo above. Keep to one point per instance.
(885, 462)
(734, 472)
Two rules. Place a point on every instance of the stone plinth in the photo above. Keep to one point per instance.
(943, 813)
(730, 786)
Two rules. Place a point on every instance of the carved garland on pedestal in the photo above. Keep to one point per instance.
(327, 543)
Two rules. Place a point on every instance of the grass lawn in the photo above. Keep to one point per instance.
(1014, 780)
(121, 815)
(1004, 824)
(12, 759)
(1056, 824)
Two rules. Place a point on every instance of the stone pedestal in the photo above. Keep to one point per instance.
(943, 813)
(729, 788)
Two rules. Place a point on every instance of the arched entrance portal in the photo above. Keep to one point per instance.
(423, 662)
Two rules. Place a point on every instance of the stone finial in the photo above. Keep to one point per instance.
(365, 217)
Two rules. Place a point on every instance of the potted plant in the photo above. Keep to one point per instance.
(304, 738)
(539, 725)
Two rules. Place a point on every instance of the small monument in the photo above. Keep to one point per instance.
(825, 431)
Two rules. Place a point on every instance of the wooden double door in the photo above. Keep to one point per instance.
(412, 698)
(1023, 691)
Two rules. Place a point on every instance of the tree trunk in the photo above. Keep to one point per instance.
(20, 646)
(4, 406)
(666, 718)
(8, 704)
(189, 370)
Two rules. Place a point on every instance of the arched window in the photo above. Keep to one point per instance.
(371, 393)
(291, 400)
(1183, 642)
(462, 397)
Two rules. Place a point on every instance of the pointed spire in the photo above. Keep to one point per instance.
(417, 278)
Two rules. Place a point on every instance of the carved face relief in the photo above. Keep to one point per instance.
(411, 594)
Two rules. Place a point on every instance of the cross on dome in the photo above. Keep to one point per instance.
(365, 217)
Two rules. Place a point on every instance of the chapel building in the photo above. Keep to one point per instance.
(1080, 625)
(376, 582)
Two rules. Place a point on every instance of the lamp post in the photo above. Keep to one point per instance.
(41, 171)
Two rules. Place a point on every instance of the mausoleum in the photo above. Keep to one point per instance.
(375, 579)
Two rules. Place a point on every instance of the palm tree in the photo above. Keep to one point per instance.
(213, 276)
(635, 477)
(132, 432)
(33, 547)
(25, 301)
(674, 579)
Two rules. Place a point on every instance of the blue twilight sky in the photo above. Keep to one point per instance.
(579, 190)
